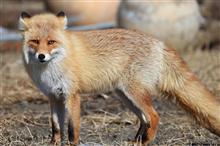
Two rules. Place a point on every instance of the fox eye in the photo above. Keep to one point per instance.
(50, 42)
(35, 41)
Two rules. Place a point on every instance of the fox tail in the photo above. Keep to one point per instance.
(179, 82)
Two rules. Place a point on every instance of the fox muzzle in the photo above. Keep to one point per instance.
(43, 57)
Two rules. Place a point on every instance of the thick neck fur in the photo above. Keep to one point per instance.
(49, 77)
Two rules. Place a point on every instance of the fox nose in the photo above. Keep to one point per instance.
(41, 57)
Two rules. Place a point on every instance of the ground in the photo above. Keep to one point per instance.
(24, 111)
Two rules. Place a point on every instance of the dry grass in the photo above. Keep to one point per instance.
(24, 112)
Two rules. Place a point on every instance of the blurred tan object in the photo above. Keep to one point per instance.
(211, 9)
(86, 11)
(11, 9)
(209, 36)
(174, 21)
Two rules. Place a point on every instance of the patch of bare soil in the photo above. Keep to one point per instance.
(24, 111)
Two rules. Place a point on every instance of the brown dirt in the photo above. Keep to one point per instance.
(24, 111)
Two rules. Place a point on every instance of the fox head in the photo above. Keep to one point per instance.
(43, 36)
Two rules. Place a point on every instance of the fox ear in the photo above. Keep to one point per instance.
(61, 14)
(63, 19)
(23, 20)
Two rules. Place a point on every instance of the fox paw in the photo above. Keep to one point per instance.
(55, 140)
(72, 143)
(136, 143)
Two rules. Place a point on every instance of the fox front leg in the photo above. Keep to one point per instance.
(73, 109)
(57, 119)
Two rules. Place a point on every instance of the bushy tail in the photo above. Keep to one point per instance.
(178, 81)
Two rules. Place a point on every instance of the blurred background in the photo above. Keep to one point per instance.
(190, 26)
(179, 23)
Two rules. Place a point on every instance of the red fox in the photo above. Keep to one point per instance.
(65, 64)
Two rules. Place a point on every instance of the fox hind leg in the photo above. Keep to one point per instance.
(145, 123)
(139, 101)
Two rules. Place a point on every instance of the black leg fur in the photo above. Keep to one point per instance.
(70, 132)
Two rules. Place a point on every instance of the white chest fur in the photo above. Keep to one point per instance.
(50, 79)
